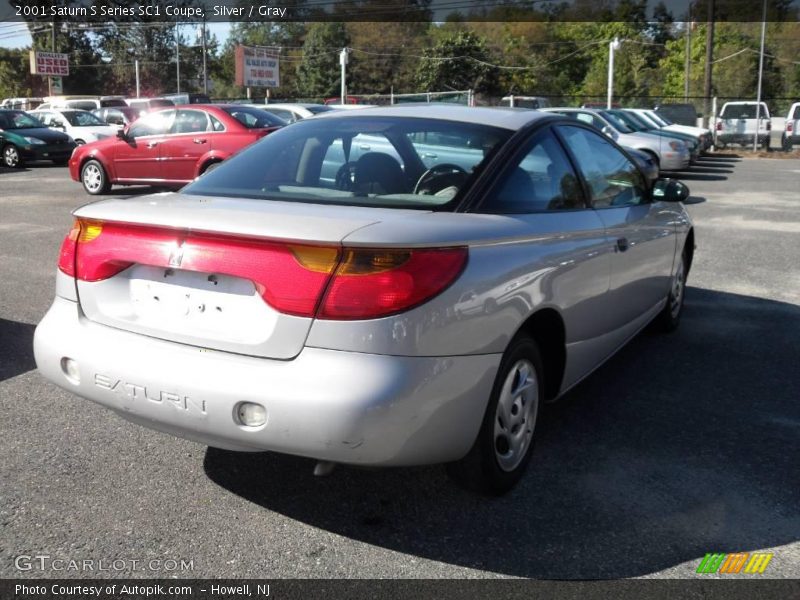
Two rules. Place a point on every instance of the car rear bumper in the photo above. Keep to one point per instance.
(345, 407)
(741, 138)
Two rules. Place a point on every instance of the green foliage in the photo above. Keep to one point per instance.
(319, 72)
(458, 62)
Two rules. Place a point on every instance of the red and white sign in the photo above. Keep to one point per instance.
(257, 67)
(49, 63)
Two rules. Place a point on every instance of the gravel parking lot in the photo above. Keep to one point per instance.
(680, 445)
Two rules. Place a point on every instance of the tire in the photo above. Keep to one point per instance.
(787, 145)
(496, 463)
(94, 178)
(210, 167)
(11, 157)
(670, 317)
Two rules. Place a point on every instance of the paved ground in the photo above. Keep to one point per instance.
(680, 445)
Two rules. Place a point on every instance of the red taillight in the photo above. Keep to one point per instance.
(296, 279)
(371, 283)
(789, 126)
(66, 257)
(769, 125)
(719, 125)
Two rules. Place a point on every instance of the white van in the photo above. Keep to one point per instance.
(736, 124)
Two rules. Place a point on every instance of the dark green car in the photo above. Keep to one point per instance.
(24, 138)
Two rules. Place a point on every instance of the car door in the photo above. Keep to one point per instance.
(563, 261)
(185, 145)
(640, 233)
(137, 158)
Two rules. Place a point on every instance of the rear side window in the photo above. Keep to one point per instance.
(543, 180)
(190, 121)
(612, 178)
(152, 124)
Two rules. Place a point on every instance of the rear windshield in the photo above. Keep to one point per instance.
(359, 161)
(79, 118)
(160, 103)
(742, 111)
(321, 108)
(82, 104)
(109, 102)
(11, 119)
(253, 118)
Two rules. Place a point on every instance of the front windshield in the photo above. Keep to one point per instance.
(643, 124)
(380, 161)
(620, 123)
(253, 118)
(663, 121)
(82, 119)
(10, 119)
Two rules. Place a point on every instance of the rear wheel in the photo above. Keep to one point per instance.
(503, 448)
(670, 317)
(787, 144)
(94, 178)
(11, 157)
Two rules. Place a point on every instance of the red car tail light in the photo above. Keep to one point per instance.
(790, 127)
(719, 125)
(370, 283)
(296, 279)
(66, 257)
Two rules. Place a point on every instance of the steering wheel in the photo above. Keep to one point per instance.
(456, 173)
(344, 177)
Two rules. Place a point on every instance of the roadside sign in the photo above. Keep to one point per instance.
(56, 86)
(257, 67)
(49, 63)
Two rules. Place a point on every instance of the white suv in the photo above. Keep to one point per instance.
(736, 124)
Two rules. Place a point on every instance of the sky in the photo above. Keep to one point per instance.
(16, 35)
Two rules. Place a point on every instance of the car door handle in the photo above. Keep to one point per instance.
(622, 244)
(152, 144)
(430, 155)
(199, 140)
(365, 147)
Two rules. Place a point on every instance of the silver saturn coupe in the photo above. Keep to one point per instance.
(390, 286)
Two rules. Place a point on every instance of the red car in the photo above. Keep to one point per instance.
(169, 147)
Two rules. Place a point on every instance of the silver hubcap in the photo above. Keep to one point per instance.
(92, 178)
(516, 415)
(676, 295)
(11, 156)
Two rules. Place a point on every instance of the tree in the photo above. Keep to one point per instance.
(458, 61)
(318, 72)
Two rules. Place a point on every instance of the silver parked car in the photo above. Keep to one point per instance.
(400, 312)
(671, 155)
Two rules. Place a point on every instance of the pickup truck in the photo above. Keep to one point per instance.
(791, 133)
(736, 124)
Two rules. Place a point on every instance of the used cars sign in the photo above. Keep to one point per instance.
(256, 67)
(49, 63)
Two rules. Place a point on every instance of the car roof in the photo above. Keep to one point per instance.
(502, 117)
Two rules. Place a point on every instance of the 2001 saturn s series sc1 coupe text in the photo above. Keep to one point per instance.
(316, 297)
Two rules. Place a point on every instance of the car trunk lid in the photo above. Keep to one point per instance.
(227, 274)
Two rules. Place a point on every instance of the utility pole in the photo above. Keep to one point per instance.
(136, 68)
(52, 49)
(709, 62)
(760, 76)
(205, 69)
(613, 46)
(343, 63)
(177, 59)
(687, 66)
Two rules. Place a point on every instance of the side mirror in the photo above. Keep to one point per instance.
(610, 132)
(122, 133)
(670, 190)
